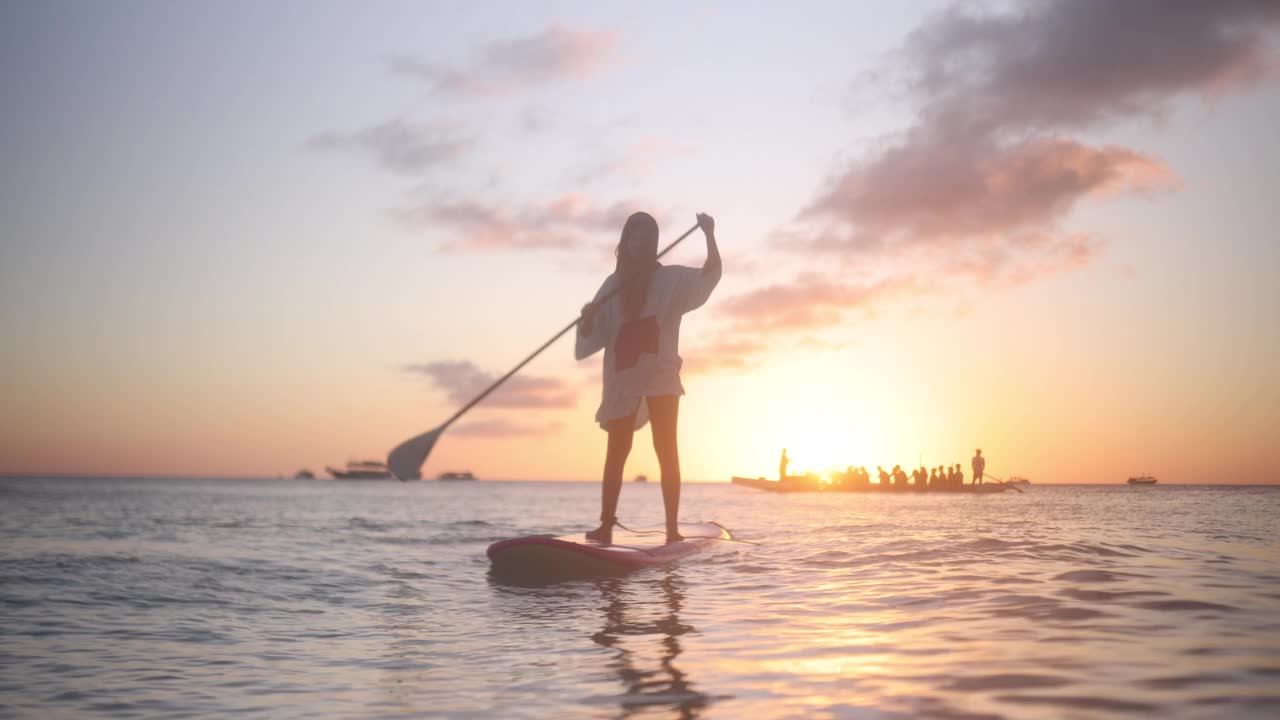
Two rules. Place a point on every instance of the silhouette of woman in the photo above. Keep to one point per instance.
(639, 330)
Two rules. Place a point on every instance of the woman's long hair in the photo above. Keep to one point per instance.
(637, 255)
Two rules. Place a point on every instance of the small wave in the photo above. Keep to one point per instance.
(1104, 596)
(1176, 605)
(366, 524)
(1084, 549)
(1080, 703)
(1093, 576)
(1179, 682)
(1008, 681)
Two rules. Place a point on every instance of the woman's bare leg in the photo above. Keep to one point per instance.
(664, 411)
(621, 433)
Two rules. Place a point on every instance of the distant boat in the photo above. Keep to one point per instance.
(304, 474)
(641, 478)
(1144, 480)
(457, 476)
(361, 470)
(1015, 480)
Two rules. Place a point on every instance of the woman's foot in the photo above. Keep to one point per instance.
(674, 536)
(602, 534)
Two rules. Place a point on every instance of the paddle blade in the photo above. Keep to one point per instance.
(405, 461)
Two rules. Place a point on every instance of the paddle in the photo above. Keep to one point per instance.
(405, 461)
(1003, 482)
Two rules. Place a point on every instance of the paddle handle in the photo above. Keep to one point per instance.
(498, 383)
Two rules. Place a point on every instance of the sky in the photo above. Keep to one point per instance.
(241, 239)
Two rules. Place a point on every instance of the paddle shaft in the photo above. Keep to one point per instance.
(498, 383)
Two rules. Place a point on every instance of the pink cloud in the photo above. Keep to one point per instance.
(507, 66)
(931, 188)
(973, 195)
(729, 351)
(637, 160)
(568, 221)
(503, 428)
(462, 381)
(808, 302)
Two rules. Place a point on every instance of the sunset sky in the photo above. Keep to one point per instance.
(239, 239)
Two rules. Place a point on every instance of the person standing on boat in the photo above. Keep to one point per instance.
(979, 464)
(638, 328)
(782, 466)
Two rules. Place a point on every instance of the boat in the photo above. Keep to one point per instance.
(803, 483)
(1144, 480)
(641, 478)
(361, 470)
(304, 474)
(1015, 480)
(457, 476)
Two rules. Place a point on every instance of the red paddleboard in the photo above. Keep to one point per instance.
(574, 556)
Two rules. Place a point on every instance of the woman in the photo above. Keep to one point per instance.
(635, 319)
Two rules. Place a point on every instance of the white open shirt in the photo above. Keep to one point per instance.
(644, 361)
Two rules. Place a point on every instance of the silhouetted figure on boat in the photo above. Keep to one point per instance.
(782, 466)
(635, 319)
(979, 465)
(884, 477)
(959, 477)
(933, 479)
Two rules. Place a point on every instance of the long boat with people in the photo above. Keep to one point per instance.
(1143, 480)
(940, 479)
(814, 483)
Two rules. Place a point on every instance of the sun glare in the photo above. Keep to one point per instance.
(820, 444)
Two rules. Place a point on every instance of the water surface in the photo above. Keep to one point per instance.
(181, 598)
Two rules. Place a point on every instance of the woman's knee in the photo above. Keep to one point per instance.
(663, 413)
(621, 434)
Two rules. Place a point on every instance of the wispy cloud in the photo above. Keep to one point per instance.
(787, 314)
(728, 351)
(568, 221)
(936, 189)
(504, 428)
(399, 145)
(808, 302)
(515, 64)
(462, 381)
(637, 160)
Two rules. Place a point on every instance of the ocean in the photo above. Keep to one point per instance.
(153, 598)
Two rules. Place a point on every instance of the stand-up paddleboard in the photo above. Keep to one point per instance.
(574, 556)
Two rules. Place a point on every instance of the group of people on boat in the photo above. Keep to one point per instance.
(949, 477)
